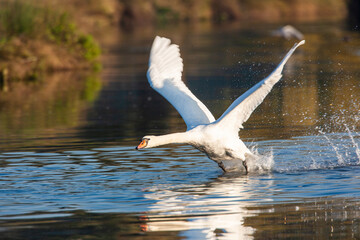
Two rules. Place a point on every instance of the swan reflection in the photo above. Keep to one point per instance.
(213, 210)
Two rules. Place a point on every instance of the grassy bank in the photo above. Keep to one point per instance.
(37, 37)
(51, 35)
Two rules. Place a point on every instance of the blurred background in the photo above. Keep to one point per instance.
(30, 29)
(72, 72)
(75, 101)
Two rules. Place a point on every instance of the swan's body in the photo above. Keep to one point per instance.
(217, 138)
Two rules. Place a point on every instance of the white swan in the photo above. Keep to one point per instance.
(288, 32)
(219, 139)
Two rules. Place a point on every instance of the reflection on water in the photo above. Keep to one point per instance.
(119, 192)
(322, 219)
(216, 208)
(46, 112)
(68, 168)
(320, 88)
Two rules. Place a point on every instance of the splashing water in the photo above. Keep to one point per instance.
(341, 160)
(260, 163)
(314, 165)
(357, 150)
(322, 151)
(344, 145)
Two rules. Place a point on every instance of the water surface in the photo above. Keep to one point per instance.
(68, 168)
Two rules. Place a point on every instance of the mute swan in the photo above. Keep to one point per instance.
(288, 32)
(218, 139)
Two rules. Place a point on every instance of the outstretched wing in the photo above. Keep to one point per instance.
(241, 109)
(164, 75)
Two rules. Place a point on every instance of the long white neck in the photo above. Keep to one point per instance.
(183, 137)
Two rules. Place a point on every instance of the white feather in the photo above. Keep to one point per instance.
(164, 75)
(241, 109)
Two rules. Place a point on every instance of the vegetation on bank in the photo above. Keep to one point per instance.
(49, 35)
(37, 37)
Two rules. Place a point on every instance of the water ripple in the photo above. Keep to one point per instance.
(122, 179)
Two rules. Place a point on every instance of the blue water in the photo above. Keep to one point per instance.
(177, 183)
(122, 179)
(69, 168)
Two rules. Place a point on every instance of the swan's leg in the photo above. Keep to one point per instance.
(245, 166)
(233, 166)
(221, 165)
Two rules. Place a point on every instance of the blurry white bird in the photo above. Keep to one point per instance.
(218, 139)
(288, 32)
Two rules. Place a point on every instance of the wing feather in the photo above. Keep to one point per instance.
(164, 75)
(241, 109)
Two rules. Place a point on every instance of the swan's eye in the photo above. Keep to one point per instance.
(143, 143)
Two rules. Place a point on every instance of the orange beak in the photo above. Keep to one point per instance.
(142, 144)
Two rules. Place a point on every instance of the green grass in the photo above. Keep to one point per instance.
(26, 20)
(17, 19)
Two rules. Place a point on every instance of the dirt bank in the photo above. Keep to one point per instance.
(36, 37)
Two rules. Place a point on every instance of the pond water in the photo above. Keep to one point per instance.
(69, 169)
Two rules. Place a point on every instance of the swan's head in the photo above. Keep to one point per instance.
(145, 143)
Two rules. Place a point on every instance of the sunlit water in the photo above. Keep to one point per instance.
(68, 167)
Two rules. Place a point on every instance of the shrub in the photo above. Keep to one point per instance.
(90, 48)
(21, 19)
